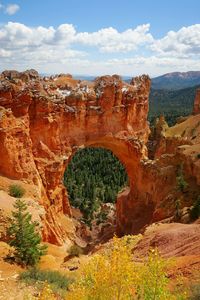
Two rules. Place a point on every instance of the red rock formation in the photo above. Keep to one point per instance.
(43, 122)
(155, 187)
(196, 109)
(171, 240)
(174, 147)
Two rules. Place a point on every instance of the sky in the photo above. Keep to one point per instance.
(91, 37)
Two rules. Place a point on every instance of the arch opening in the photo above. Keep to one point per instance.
(93, 178)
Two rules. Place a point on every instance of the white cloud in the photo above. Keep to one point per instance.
(4, 53)
(60, 49)
(11, 9)
(110, 40)
(153, 65)
(40, 47)
(65, 33)
(184, 42)
(106, 40)
(14, 35)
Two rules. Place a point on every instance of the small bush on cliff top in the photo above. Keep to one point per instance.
(24, 236)
(16, 191)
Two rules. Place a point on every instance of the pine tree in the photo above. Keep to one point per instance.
(24, 236)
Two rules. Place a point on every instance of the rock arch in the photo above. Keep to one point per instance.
(44, 121)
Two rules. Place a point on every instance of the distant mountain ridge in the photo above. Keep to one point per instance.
(176, 80)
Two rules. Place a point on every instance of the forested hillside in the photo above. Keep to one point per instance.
(94, 176)
(172, 104)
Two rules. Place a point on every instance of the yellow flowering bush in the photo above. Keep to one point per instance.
(113, 275)
(47, 293)
(153, 279)
(110, 275)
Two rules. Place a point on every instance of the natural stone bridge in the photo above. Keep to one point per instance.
(44, 121)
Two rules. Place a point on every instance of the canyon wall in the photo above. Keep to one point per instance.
(44, 121)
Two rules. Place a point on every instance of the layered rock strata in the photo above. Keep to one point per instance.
(43, 121)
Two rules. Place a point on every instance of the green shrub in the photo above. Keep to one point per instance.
(177, 210)
(181, 183)
(16, 191)
(54, 278)
(195, 211)
(75, 250)
(180, 180)
(195, 292)
(198, 155)
(101, 217)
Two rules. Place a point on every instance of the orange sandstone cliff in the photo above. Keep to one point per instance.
(43, 121)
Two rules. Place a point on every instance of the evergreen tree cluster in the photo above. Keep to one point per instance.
(94, 176)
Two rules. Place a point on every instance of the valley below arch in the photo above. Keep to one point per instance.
(129, 153)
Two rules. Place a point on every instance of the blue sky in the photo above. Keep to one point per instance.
(100, 37)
